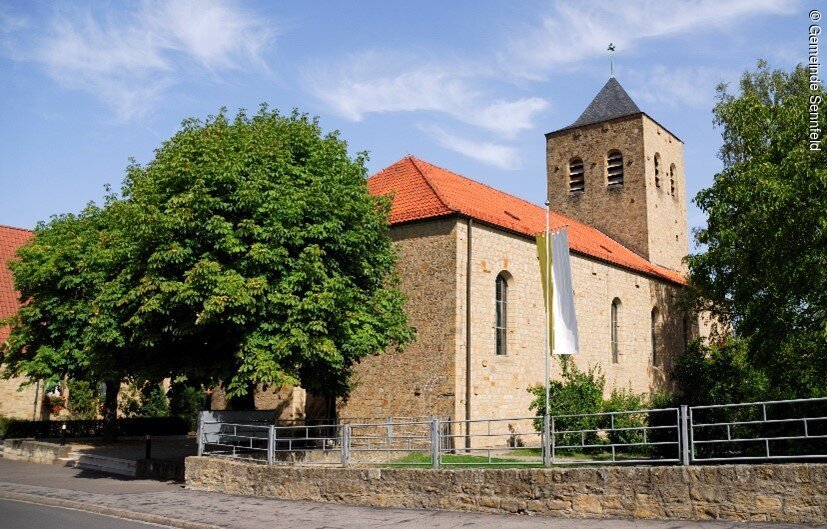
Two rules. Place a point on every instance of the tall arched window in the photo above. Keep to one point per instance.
(614, 168)
(657, 170)
(685, 333)
(614, 329)
(672, 179)
(654, 336)
(501, 323)
(577, 176)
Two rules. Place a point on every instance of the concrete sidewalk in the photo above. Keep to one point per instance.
(170, 504)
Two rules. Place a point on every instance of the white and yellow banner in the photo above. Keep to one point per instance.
(563, 320)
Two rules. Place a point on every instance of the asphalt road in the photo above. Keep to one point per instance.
(20, 515)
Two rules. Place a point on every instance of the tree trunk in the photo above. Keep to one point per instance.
(330, 407)
(110, 411)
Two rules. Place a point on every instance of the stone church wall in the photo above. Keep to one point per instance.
(418, 381)
(668, 243)
(500, 383)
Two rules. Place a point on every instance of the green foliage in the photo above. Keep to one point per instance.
(260, 256)
(5, 423)
(248, 251)
(763, 271)
(580, 393)
(144, 400)
(187, 401)
(83, 400)
(721, 373)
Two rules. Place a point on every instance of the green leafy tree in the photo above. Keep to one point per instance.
(248, 251)
(61, 275)
(259, 257)
(720, 373)
(763, 271)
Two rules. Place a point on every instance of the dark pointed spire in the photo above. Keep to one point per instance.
(611, 102)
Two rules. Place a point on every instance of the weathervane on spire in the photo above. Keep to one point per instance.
(611, 48)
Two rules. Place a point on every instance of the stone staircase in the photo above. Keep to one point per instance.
(110, 465)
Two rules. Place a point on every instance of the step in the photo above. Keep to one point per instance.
(110, 465)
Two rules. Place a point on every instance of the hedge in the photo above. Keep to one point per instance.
(127, 427)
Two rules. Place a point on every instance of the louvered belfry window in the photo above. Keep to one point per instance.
(577, 176)
(672, 179)
(615, 168)
(657, 170)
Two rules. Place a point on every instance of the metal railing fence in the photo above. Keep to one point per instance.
(510, 442)
(636, 436)
(765, 431)
(770, 430)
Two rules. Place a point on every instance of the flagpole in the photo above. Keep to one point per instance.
(547, 352)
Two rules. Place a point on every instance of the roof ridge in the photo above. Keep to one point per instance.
(414, 160)
(16, 228)
(477, 182)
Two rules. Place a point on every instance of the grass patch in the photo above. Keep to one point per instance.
(461, 460)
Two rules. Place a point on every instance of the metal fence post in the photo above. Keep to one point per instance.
(345, 444)
(271, 444)
(684, 434)
(546, 437)
(201, 433)
(435, 442)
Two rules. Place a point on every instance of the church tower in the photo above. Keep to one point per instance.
(619, 170)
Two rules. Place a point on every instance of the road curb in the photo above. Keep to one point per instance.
(109, 511)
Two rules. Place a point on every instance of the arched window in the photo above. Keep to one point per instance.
(672, 179)
(614, 167)
(614, 329)
(577, 177)
(501, 323)
(685, 333)
(657, 170)
(655, 336)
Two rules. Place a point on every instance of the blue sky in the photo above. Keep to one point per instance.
(471, 86)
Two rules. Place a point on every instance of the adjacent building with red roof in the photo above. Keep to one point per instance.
(14, 403)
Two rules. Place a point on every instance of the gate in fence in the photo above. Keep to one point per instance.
(765, 431)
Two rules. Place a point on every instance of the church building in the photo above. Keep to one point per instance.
(468, 265)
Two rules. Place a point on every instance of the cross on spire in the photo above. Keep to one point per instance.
(611, 49)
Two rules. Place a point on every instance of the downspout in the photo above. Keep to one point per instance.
(468, 337)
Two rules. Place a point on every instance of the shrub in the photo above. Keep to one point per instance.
(720, 373)
(186, 402)
(5, 424)
(146, 400)
(580, 392)
(83, 400)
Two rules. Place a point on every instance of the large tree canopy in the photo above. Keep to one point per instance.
(764, 265)
(248, 251)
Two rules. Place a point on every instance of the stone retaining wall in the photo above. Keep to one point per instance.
(34, 451)
(792, 492)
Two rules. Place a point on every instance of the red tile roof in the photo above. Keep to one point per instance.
(422, 190)
(10, 240)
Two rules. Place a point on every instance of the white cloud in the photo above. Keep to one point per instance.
(498, 155)
(9, 21)
(678, 87)
(375, 83)
(570, 33)
(130, 60)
